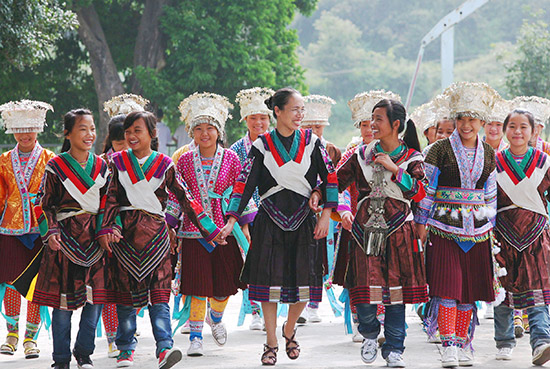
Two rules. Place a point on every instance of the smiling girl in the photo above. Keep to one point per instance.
(284, 263)
(459, 210)
(523, 178)
(21, 171)
(140, 273)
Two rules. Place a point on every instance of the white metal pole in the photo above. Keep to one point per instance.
(447, 57)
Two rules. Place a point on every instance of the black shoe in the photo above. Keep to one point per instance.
(83, 361)
(61, 366)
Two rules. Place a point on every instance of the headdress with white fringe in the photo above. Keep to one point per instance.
(538, 106)
(124, 104)
(471, 99)
(424, 116)
(501, 109)
(24, 116)
(362, 104)
(252, 101)
(205, 107)
(318, 110)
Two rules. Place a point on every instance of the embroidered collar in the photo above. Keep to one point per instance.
(138, 172)
(83, 178)
(281, 155)
(517, 172)
(247, 142)
(207, 184)
(468, 176)
(399, 155)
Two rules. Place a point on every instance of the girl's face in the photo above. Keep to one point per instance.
(366, 131)
(381, 127)
(119, 145)
(82, 136)
(257, 123)
(317, 129)
(292, 113)
(206, 135)
(26, 141)
(445, 129)
(493, 131)
(431, 134)
(138, 136)
(468, 128)
(518, 131)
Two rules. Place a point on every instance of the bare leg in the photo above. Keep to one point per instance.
(294, 312)
(270, 318)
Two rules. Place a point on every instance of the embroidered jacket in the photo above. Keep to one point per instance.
(18, 188)
(242, 149)
(460, 202)
(285, 170)
(225, 170)
(522, 214)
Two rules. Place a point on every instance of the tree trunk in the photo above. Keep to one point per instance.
(151, 42)
(106, 79)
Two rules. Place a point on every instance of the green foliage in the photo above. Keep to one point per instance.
(528, 74)
(29, 27)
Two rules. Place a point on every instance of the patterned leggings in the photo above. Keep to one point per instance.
(110, 321)
(198, 313)
(12, 305)
(453, 321)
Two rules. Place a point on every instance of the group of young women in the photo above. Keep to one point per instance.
(467, 218)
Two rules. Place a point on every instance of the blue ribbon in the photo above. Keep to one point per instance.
(3, 287)
(182, 315)
(336, 308)
(237, 231)
(344, 298)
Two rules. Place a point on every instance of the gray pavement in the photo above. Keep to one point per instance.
(324, 345)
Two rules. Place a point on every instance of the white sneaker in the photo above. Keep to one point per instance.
(395, 360)
(541, 354)
(185, 328)
(369, 350)
(449, 357)
(112, 351)
(357, 337)
(257, 323)
(219, 333)
(313, 315)
(195, 348)
(465, 357)
(504, 353)
(490, 312)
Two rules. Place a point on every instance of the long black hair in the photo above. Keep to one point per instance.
(528, 114)
(280, 99)
(150, 122)
(396, 111)
(116, 131)
(69, 120)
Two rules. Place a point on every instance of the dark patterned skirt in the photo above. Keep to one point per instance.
(283, 266)
(342, 258)
(15, 256)
(214, 274)
(527, 282)
(395, 277)
(454, 274)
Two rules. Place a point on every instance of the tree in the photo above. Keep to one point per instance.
(528, 74)
(28, 28)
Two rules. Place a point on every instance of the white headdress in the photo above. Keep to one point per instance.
(538, 106)
(425, 116)
(205, 107)
(472, 99)
(317, 110)
(361, 105)
(24, 116)
(125, 104)
(501, 109)
(252, 101)
(441, 108)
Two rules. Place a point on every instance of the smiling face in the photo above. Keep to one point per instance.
(494, 131)
(468, 129)
(257, 124)
(82, 136)
(26, 141)
(291, 115)
(431, 134)
(381, 127)
(206, 136)
(445, 129)
(518, 132)
(317, 129)
(366, 131)
(138, 136)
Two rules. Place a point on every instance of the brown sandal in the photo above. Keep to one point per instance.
(269, 357)
(292, 352)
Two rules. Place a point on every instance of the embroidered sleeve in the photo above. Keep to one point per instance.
(109, 204)
(344, 203)
(327, 174)
(347, 171)
(491, 196)
(48, 197)
(246, 183)
(3, 188)
(425, 205)
(190, 207)
(250, 211)
(411, 184)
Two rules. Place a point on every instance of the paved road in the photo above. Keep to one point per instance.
(324, 345)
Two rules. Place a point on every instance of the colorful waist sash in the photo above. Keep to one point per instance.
(460, 196)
